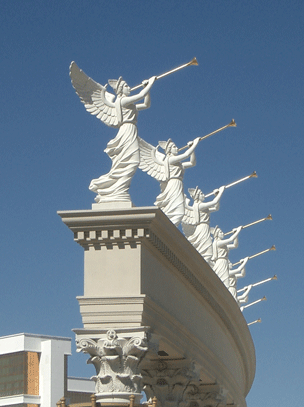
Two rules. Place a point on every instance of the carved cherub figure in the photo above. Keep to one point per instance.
(118, 112)
(169, 170)
(196, 221)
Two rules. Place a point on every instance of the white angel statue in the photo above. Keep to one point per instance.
(196, 221)
(234, 275)
(243, 299)
(220, 249)
(119, 113)
(169, 170)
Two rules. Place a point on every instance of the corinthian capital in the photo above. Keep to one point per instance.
(116, 355)
(168, 380)
(198, 394)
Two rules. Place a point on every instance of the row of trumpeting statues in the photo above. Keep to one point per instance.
(129, 152)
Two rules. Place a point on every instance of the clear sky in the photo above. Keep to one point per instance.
(251, 58)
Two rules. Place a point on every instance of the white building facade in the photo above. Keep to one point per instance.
(33, 371)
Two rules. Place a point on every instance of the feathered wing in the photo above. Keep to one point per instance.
(188, 221)
(94, 96)
(147, 161)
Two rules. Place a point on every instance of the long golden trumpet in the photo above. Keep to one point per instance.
(253, 175)
(254, 322)
(257, 254)
(192, 62)
(253, 303)
(231, 124)
(258, 283)
(269, 217)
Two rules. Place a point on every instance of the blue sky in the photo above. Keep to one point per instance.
(251, 61)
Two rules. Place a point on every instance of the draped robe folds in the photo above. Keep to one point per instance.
(232, 286)
(171, 199)
(124, 153)
(201, 238)
(221, 265)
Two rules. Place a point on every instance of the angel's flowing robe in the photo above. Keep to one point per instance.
(221, 262)
(232, 286)
(171, 199)
(201, 238)
(124, 153)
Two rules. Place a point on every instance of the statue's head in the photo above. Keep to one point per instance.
(169, 147)
(196, 194)
(217, 233)
(120, 86)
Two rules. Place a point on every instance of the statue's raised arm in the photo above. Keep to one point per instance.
(118, 111)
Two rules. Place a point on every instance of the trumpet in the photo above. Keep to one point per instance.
(192, 62)
(231, 124)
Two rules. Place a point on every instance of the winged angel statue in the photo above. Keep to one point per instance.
(196, 221)
(220, 253)
(169, 170)
(118, 112)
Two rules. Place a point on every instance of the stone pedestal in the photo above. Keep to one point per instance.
(140, 271)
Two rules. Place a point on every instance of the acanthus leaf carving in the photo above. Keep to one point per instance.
(175, 383)
(116, 360)
(168, 380)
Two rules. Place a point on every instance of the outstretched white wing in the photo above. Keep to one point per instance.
(94, 96)
(188, 221)
(150, 161)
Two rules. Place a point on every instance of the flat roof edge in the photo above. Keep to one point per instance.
(62, 338)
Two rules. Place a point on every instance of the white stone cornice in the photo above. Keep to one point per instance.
(120, 312)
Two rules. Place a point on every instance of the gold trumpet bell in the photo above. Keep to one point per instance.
(193, 62)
